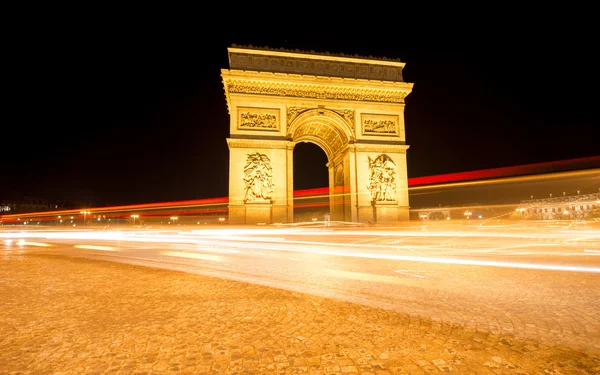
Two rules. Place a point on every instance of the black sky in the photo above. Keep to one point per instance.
(139, 115)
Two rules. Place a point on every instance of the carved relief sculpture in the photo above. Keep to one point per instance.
(381, 126)
(258, 178)
(258, 120)
(293, 112)
(347, 114)
(382, 179)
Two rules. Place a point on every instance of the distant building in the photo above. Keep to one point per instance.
(579, 206)
(35, 204)
(432, 213)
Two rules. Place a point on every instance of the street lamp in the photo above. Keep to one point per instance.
(468, 214)
(85, 213)
(134, 217)
(174, 219)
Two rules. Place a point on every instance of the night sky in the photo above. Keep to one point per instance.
(136, 116)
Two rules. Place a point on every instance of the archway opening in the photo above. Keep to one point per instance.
(311, 182)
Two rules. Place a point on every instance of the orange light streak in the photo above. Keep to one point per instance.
(415, 185)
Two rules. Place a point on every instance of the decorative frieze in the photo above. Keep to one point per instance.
(382, 126)
(315, 91)
(258, 119)
(258, 178)
(382, 179)
(375, 124)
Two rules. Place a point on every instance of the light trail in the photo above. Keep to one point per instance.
(464, 262)
(209, 209)
(406, 272)
(267, 240)
(361, 276)
(508, 180)
(230, 235)
(40, 244)
(95, 247)
(242, 235)
(181, 254)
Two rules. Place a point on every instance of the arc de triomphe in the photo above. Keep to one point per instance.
(352, 107)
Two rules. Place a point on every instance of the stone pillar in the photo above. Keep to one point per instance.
(337, 190)
(382, 184)
(258, 190)
(290, 182)
(352, 184)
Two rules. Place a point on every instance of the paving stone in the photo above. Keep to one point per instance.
(62, 315)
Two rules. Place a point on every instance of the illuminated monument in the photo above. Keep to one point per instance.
(352, 107)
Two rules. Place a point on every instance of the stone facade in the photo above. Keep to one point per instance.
(351, 107)
(579, 206)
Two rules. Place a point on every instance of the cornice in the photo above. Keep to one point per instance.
(257, 143)
(270, 51)
(381, 148)
(314, 91)
(237, 74)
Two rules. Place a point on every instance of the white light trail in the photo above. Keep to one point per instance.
(361, 276)
(404, 272)
(181, 254)
(228, 238)
(469, 262)
(95, 247)
(40, 244)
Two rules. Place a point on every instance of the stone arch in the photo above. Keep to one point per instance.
(351, 107)
(325, 128)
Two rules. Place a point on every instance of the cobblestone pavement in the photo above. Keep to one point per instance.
(62, 315)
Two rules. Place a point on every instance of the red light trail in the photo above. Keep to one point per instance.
(478, 175)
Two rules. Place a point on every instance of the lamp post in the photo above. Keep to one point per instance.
(174, 219)
(468, 214)
(85, 213)
(134, 217)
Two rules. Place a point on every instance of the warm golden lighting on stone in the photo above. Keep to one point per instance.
(353, 108)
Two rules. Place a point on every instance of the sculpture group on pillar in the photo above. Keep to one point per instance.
(382, 179)
(258, 178)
